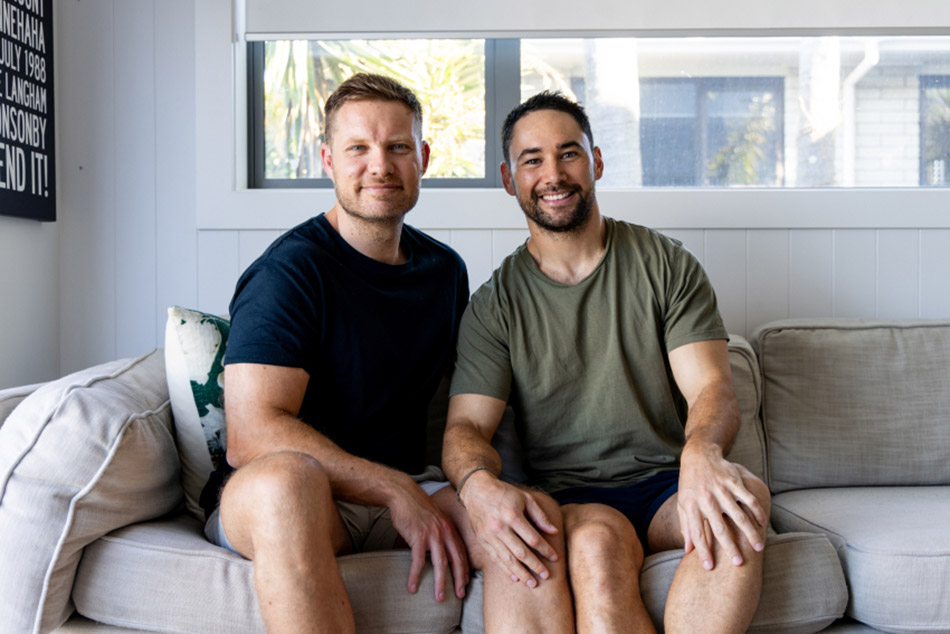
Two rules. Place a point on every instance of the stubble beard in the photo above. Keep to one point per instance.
(576, 220)
(391, 215)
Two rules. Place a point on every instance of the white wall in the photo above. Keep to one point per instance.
(29, 301)
(144, 86)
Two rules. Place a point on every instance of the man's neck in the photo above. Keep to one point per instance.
(569, 257)
(377, 240)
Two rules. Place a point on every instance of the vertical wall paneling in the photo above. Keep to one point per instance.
(219, 266)
(811, 273)
(29, 310)
(504, 241)
(768, 274)
(726, 257)
(474, 245)
(898, 273)
(175, 222)
(85, 70)
(251, 244)
(855, 290)
(135, 262)
(935, 274)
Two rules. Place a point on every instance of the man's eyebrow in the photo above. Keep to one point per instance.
(535, 150)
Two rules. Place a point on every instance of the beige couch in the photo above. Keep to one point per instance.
(92, 516)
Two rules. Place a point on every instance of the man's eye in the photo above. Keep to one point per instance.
(569, 154)
(357, 148)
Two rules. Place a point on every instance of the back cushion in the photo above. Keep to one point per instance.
(79, 457)
(855, 402)
(749, 446)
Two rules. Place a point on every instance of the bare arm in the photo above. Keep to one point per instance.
(711, 487)
(261, 406)
(506, 518)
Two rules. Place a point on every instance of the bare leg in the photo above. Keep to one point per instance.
(723, 599)
(510, 606)
(605, 558)
(278, 511)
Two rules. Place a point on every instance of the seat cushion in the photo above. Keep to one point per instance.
(803, 588)
(79, 457)
(850, 402)
(165, 576)
(893, 545)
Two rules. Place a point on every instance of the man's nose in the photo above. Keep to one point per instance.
(380, 163)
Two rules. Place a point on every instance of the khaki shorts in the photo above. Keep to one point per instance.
(369, 527)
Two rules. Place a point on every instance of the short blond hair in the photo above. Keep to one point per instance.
(369, 87)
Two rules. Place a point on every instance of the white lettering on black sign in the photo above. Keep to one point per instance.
(27, 148)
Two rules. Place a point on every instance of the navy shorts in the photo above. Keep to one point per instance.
(639, 502)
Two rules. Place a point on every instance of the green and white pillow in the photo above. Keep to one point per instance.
(195, 343)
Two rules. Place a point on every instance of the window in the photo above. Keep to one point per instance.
(935, 130)
(721, 112)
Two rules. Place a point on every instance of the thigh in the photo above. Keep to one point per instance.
(281, 497)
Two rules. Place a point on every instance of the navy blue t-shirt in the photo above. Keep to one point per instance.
(376, 339)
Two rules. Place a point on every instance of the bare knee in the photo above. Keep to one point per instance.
(599, 536)
(758, 489)
(274, 496)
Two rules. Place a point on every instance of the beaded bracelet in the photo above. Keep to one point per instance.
(465, 477)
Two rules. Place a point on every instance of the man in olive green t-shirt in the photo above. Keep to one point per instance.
(606, 340)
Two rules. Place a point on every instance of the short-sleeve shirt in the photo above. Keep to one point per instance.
(376, 339)
(586, 366)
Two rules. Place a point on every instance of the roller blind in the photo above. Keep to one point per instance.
(290, 19)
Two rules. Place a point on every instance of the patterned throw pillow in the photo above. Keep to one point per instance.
(194, 364)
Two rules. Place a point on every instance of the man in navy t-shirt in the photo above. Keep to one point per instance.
(340, 334)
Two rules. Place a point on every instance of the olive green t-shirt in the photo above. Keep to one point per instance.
(585, 367)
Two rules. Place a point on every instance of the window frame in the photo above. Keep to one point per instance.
(925, 82)
(499, 74)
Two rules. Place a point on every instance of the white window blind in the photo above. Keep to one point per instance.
(298, 19)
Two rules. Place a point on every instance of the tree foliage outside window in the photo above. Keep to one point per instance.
(448, 77)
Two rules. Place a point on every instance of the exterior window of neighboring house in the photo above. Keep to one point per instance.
(714, 131)
(685, 112)
(935, 130)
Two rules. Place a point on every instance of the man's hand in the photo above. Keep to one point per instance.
(425, 528)
(507, 521)
(711, 489)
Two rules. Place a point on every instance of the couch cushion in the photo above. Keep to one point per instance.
(749, 446)
(856, 403)
(893, 544)
(803, 588)
(195, 343)
(79, 457)
(163, 575)
(11, 397)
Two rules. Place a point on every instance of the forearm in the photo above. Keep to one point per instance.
(713, 420)
(352, 479)
(463, 449)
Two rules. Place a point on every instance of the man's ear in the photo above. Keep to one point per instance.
(506, 178)
(598, 164)
(425, 157)
(326, 159)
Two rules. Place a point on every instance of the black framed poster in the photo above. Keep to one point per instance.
(27, 133)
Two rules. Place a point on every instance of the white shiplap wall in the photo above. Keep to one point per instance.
(132, 240)
(759, 274)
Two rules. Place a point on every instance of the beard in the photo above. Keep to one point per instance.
(375, 211)
(575, 219)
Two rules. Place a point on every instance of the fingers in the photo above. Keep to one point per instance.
(540, 519)
(458, 558)
(415, 569)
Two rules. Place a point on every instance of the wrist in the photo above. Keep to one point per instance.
(466, 478)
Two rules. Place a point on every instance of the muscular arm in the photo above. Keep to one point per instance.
(506, 518)
(261, 406)
(711, 488)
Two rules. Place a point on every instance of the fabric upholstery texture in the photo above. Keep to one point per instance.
(10, 398)
(163, 575)
(855, 403)
(79, 457)
(195, 344)
(893, 544)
